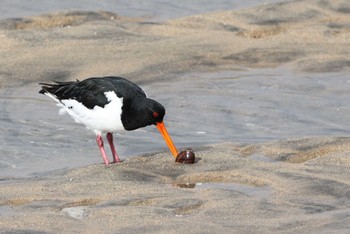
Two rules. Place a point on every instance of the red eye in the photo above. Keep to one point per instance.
(155, 114)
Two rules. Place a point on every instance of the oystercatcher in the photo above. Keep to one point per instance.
(106, 105)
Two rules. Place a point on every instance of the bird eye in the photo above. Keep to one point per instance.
(155, 114)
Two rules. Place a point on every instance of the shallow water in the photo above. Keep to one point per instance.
(6, 211)
(156, 10)
(241, 106)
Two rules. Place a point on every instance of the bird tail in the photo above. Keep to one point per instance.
(51, 90)
(54, 88)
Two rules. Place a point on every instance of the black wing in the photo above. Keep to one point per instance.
(91, 91)
(125, 88)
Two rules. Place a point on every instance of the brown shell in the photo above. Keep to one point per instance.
(186, 156)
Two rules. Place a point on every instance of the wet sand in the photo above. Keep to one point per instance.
(293, 185)
(307, 36)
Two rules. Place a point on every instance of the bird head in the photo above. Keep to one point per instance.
(144, 112)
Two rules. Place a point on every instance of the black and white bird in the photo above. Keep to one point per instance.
(106, 105)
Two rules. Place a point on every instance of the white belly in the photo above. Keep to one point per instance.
(98, 119)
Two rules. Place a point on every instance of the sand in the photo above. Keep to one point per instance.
(306, 35)
(293, 185)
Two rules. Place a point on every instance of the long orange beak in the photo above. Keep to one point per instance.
(166, 136)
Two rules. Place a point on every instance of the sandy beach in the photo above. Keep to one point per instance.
(298, 185)
(289, 186)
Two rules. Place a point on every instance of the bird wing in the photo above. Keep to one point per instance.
(87, 92)
(91, 92)
(125, 88)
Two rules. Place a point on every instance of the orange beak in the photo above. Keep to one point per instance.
(166, 136)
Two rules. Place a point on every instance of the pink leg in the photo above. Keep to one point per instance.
(114, 152)
(100, 145)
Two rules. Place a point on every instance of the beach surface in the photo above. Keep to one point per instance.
(289, 186)
(258, 184)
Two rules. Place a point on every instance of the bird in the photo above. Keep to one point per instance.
(107, 105)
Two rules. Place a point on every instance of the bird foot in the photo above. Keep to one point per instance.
(116, 160)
